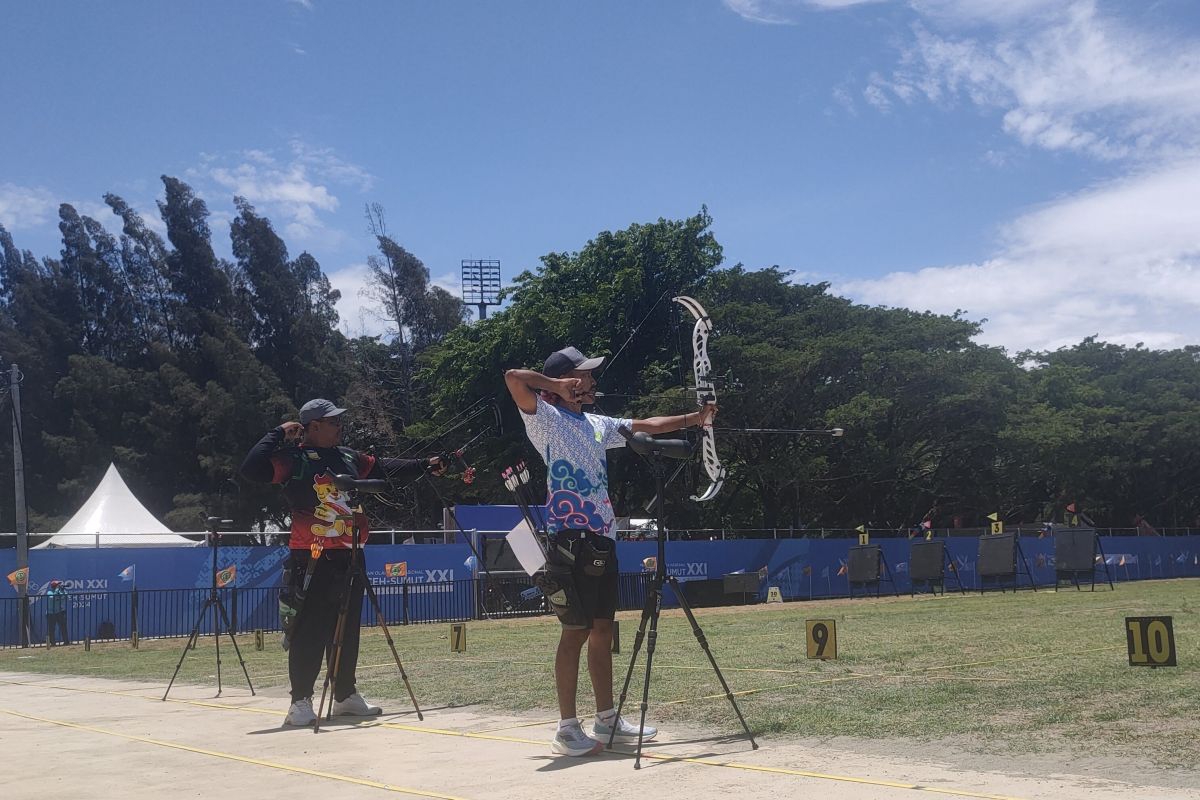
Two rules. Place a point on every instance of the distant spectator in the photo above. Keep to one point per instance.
(56, 613)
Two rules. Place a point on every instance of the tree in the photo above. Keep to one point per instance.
(198, 279)
(144, 260)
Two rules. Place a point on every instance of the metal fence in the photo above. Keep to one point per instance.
(164, 613)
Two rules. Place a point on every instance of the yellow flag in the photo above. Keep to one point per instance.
(994, 517)
(397, 570)
(861, 529)
(19, 577)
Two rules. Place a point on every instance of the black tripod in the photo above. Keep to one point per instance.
(354, 572)
(656, 451)
(213, 525)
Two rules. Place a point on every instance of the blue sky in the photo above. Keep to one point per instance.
(1033, 162)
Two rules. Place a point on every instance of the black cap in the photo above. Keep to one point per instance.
(563, 361)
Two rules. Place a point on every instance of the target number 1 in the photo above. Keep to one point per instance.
(1151, 641)
(822, 638)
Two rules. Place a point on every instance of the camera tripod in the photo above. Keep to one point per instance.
(213, 525)
(354, 573)
(656, 451)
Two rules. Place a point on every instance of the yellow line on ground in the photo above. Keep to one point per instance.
(258, 762)
(708, 762)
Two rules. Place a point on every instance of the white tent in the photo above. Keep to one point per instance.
(113, 517)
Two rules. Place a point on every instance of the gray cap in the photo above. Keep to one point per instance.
(318, 409)
(563, 361)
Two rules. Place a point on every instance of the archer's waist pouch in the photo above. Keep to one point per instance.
(591, 553)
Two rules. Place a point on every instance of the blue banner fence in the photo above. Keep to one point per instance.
(441, 583)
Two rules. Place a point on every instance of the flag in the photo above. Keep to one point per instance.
(825, 573)
(397, 570)
(226, 576)
(129, 573)
(994, 516)
(19, 577)
(1071, 507)
(926, 524)
(861, 529)
(902, 566)
(842, 570)
(763, 574)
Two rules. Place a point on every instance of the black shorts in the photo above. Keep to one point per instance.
(597, 593)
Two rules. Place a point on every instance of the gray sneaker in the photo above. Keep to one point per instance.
(626, 731)
(572, 741)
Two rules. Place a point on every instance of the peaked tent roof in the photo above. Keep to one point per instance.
(113, 517)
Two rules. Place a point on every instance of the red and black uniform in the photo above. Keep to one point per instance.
(321, 513)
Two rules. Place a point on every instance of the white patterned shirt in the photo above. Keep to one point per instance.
(574, 447)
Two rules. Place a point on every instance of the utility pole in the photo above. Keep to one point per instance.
(14, 395)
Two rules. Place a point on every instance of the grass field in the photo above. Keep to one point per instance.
(1014, 673)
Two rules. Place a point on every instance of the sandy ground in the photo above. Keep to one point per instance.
(66, 736)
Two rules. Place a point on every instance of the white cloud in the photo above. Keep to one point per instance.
(24, 207)
(356, 313)
(450, 281)
(296, 190)
(1120, 261)
(1062, 75)
(785, 12)
(359, 314)
(307, 5)
(841, 96)
(989, 11)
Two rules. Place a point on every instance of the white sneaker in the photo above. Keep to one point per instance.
(626, 731)
(301, 713)
(572, 741)
(355, 706)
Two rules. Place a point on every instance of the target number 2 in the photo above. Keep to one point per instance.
(822, 638)
(1151, 641)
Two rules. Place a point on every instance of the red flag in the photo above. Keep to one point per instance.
(842, 570)
(227, 576)
(1071, 507)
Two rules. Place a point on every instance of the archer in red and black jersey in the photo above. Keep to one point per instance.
(303, 457)
(320, 512)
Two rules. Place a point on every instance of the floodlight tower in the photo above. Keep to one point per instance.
(481, 283)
